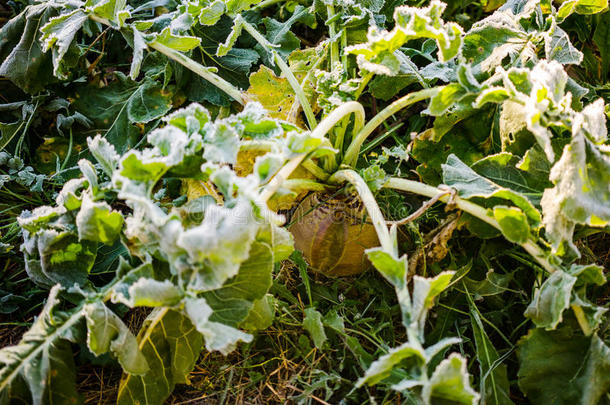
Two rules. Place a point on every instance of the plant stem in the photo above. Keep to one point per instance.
(320, 131)
(294, 83)
(349, 175)
(351, 156)
(199, 69)
(305, 184)
(473, 209)
(332, 32)
(203, 71)
(316, 170)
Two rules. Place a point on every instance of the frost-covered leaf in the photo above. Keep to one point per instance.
(58, 35)
(171, 345)
(23, 60)
(217, 336)
(563, 367)
(582, 190)
(450, 382)
(97, 221)
(558, 47)
(40, 368)
(378, 54)
(104, 153)
(491, 40)
(312, 323)
(106, 332)
(382, 367)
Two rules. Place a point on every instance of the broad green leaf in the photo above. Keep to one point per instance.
(116, 108)
(312, 323)
(527, 176)
(280, 34)
(563, 367)
(235, 300)
(470, 184)
(381, 368)
(450, 382)
(98, 222)
(513, 223)
(106, 332)
(23, 61)
(494, 384)
(40, 368)
(58, 35)
(171, 345)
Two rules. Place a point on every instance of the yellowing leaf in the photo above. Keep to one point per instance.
(274, 93)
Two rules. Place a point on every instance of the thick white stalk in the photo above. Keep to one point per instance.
(368, 199)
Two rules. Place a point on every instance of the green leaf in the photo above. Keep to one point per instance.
(182, 43)
(40, 368)
(261, 315)
(58, 35)
(446, 98)
(495, 387)
(581, 7)
(98, 222)
(106, 332)
(116, 108)
(171, 345)
(235, 300)
(601, 38)
(381, 368)
(23, 61)
(312, 323)
(394, 269)
(425, 291)
(513, 223)
(563, 367)
(551, 299)
(104, 153)
(450, 382)
(470, 184)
